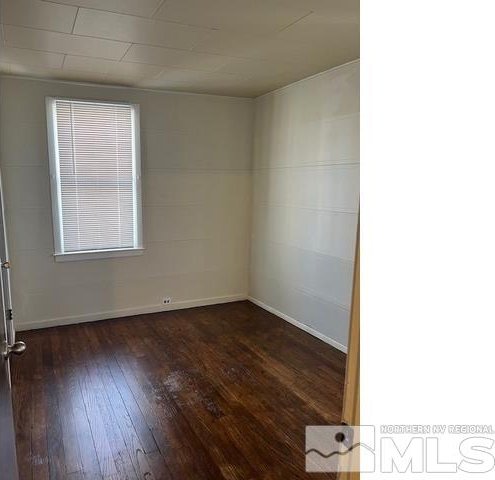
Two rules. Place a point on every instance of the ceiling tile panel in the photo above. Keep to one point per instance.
(154, 55)
(254, 16)
(128, 28)
(184, 75)
(331, 42)
(103, 66)
(38, 14)
(175, 58)
(257, 47)
(63, 43)
(86, 64)
(194, 81)
(321, 30)
(56, 73)
(333, 8)
(22, 56)
(141, 8)
(134, 69)
(253, 68)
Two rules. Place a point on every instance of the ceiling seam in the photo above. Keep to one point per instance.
(152, 19)
(125, 53)
(116, 12)
(157, 8)
(128, 46)
(79, 35)
(296, 21)
(144, 17)
(75, 18)
(162, 67)
(228, 57)
(64, 53)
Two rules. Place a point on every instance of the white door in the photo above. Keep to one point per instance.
(5, 274)
(7, 330)
(8, 463)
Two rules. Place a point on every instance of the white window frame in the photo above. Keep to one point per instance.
(59, 254)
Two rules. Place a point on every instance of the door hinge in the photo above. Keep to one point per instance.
(9, 314)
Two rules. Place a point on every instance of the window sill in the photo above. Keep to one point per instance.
(97, 254)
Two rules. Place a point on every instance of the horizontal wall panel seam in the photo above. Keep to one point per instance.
(301, 207)
(306, 291)
(309, 165)
(343, 260)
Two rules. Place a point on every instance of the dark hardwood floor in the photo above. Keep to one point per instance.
(218, 392)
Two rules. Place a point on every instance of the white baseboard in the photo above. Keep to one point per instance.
(93, 317)
(300, 325)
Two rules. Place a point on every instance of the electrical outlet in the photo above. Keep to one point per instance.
(167, 300)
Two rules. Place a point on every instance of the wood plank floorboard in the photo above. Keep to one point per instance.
(207, 393)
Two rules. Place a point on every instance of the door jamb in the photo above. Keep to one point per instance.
(351, 407)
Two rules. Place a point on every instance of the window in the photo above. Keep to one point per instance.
(95, 178)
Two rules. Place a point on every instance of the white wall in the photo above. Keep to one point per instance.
(305, 201)
(196, 202)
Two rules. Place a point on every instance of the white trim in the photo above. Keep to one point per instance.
(127, 312)
(308, 78)
(136, 166)
(55, 183)
(96, 254)
(299, 324)
(56, 196)
(89, 101)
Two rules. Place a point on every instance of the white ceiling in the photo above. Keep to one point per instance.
(228, 47)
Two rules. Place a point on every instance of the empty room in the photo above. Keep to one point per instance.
(179, 254)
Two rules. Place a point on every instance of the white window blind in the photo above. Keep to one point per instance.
(95, 172)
